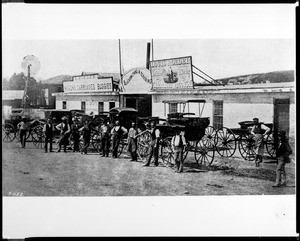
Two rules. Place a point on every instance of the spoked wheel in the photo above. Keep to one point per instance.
(204, 156)
(247, 147)
(225, 142)
(143, 144)
(38, 138)
(270, 144)
(210, 137)
(97, 142)
(167, 154)
(8, 133)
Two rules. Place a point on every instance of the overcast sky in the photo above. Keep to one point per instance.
(215, 49)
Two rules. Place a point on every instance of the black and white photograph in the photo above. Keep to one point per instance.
(126, 120)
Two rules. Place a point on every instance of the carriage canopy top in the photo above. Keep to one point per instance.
(185, 101)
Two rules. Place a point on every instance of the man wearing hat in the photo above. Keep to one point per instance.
(132, 141)
(178, 143)
(154, 148)
(75, 134)
(282, 153)
(259, 130)
(48, 132)
(64, 129)
(23, 127)
(117, 132)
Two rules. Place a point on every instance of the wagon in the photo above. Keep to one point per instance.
(228, 140)
(10, 130)
(126, 116)
(198, 134)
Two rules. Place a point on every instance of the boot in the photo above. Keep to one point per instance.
(277, 182)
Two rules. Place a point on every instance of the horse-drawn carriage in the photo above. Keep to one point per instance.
(198, 134)
(227, 140)
(10, 129)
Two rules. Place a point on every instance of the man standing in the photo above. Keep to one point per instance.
(282, 154)
(132, 142)
(154, 148)
(86, 136)
(75, 134)
(64, 129)
(117, 132)
(178, 143)
(23, 127)
(48, 132)
(105, 138)
(259, 130)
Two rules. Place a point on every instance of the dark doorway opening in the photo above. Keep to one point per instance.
(142, 103)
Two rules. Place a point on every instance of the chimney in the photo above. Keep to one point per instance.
(148, 55)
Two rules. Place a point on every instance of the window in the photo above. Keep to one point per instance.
(83, 106)
(112, 105)
(173, 108)
(64, 104)
(100, 107)
(218, 114)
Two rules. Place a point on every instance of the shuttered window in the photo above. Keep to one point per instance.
(217, 114)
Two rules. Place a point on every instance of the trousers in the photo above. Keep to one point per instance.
(280, 171)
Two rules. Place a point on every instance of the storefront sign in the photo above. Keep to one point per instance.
(88, 85)
(143, 72)
(172, 73)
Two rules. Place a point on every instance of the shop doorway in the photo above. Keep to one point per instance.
(282, 115)
(142, 103)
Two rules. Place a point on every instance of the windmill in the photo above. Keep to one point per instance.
(31, 65)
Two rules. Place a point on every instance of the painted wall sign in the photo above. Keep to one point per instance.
(137, 80)
(143, 72)
(173, 73)
(88, 85)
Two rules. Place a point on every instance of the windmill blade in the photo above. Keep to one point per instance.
(33, 63)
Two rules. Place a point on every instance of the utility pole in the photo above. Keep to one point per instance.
(121, 75)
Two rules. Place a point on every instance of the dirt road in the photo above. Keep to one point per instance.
(31, 172)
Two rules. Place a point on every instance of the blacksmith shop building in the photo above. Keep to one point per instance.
(169, 83)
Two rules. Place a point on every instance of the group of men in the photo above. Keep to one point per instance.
(114, 133)
(178, 142)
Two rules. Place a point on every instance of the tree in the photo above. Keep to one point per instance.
(5, 84)
(17, 81)
(35, 93)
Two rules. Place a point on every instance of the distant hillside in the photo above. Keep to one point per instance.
(271, 77)
(57, 79)
(61, 78)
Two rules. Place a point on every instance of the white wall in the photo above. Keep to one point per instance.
(58, 104)
(236, 112)
(71, 105)
(292, 121)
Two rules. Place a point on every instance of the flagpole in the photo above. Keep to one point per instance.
(121, 87)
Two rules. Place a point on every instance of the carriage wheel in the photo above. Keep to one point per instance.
(167, 154)
(225, 142)
(97, 142)
(204, 156)
(209, 137)
(247, 147)
(143, 144)
(37, 135)
(8, 133)
(270, 144)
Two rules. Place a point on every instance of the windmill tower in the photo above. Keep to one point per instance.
(31, 65)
